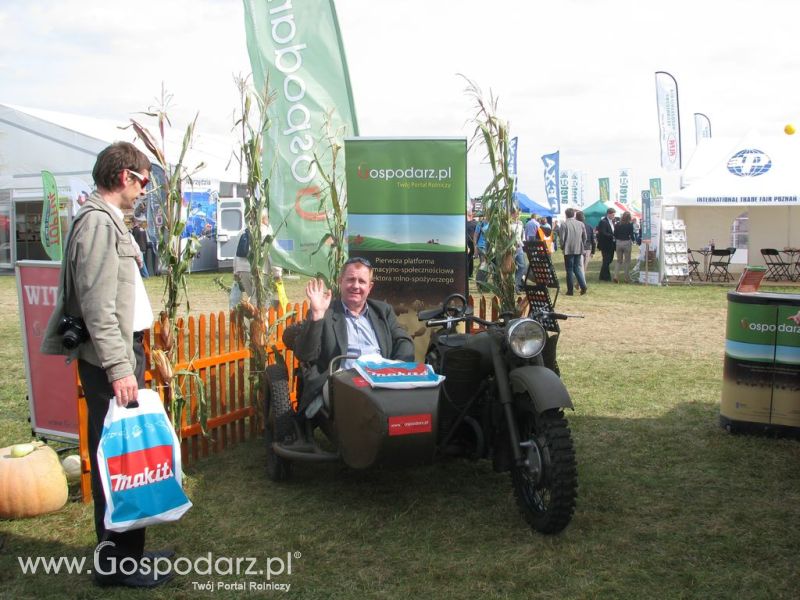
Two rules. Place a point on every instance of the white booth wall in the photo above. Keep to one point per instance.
(768, 227)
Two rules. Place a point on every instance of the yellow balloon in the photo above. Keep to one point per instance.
(789, 129)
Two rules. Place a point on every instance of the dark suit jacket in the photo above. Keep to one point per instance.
(605, 235)
(319, 341)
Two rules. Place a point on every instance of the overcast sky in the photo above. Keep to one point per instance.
(571, 75)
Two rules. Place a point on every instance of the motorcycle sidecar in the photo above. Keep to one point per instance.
(382, 426)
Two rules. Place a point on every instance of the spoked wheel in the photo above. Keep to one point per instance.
(546, 485)
(277, 421)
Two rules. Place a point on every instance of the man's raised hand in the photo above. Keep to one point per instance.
(319, 298)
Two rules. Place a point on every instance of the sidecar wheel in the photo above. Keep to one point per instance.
(277, 420)
(546, 486)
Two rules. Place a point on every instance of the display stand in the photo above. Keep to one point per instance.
(539, 280)
(675, 251)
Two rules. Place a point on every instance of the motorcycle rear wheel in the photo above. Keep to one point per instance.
(277, 421)
(546, 485)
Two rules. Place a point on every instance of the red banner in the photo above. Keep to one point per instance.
(52, 387)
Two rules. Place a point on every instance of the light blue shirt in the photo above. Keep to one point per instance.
(361, 338)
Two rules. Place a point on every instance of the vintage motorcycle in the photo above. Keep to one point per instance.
(501, 400)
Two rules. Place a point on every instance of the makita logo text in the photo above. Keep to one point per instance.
(146, 477)
(139, 468)
(364, 172)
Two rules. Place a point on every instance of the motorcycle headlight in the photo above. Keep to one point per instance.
(526, 337)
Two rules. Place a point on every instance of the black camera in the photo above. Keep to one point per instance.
(73, 332)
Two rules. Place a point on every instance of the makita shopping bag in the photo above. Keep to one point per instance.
(139, 462)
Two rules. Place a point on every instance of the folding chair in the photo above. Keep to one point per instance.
(777, 268)
(718, 267)
(694, 266)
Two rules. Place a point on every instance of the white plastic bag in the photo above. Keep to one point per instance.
(139, 462)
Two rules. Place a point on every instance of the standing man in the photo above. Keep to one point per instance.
(101, 288)
(472, 223)
(351, 324)
(531, 228)
(482, 246)
(518, 232)
(606, 243)
(573, 236)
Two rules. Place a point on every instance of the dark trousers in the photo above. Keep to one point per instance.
(608, 258)
(98, 392)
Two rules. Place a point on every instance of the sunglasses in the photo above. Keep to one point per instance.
(142, 179)
(358, 260)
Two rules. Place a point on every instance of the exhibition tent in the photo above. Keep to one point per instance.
(594, 212)
(32, 140)
(728, 182)
(529, 206)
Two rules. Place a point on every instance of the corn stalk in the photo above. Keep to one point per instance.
(498, 198)
(175, 255)
(335, 210)
(253, 122)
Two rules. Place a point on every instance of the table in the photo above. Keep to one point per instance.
(794, 270)
(706, 252)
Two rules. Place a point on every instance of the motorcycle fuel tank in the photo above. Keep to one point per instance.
(382, 426)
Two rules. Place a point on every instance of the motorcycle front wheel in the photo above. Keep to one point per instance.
(546, 484)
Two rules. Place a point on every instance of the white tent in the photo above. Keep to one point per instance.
(32, 140)
(756, 177)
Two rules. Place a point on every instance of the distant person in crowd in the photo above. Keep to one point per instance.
(556, 226)
(623, 236)
(573, 238)
(472, 223)
(242, 276)
(532, 228)
(140, 237)
(151, 251)
(545, 233)
(589, 245)
(605, 242)
(481, 242)
(518, 232)
(637, 232)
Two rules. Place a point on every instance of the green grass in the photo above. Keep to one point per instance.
(670, 505)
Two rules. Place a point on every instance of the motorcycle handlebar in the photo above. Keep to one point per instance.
(444, 321)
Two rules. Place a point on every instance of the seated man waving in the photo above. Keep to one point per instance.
(352, 325)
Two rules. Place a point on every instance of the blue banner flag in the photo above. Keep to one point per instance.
(512, 159)
(551, 181)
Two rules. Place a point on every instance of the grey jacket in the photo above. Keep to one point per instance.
(573, 236)
(319, 341)
(98, 273)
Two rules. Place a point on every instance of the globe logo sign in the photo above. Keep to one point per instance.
(749, 163)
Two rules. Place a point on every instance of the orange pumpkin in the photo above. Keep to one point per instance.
(31, 485)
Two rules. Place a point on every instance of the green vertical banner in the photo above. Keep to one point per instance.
(51, 218)
(407, 204)
(655, 188)
(647, 226)
(605, 189)
(296, 47)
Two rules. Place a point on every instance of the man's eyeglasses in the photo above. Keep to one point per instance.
(142, 179)
(358, 260)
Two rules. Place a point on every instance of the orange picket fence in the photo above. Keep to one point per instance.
(215, 347)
